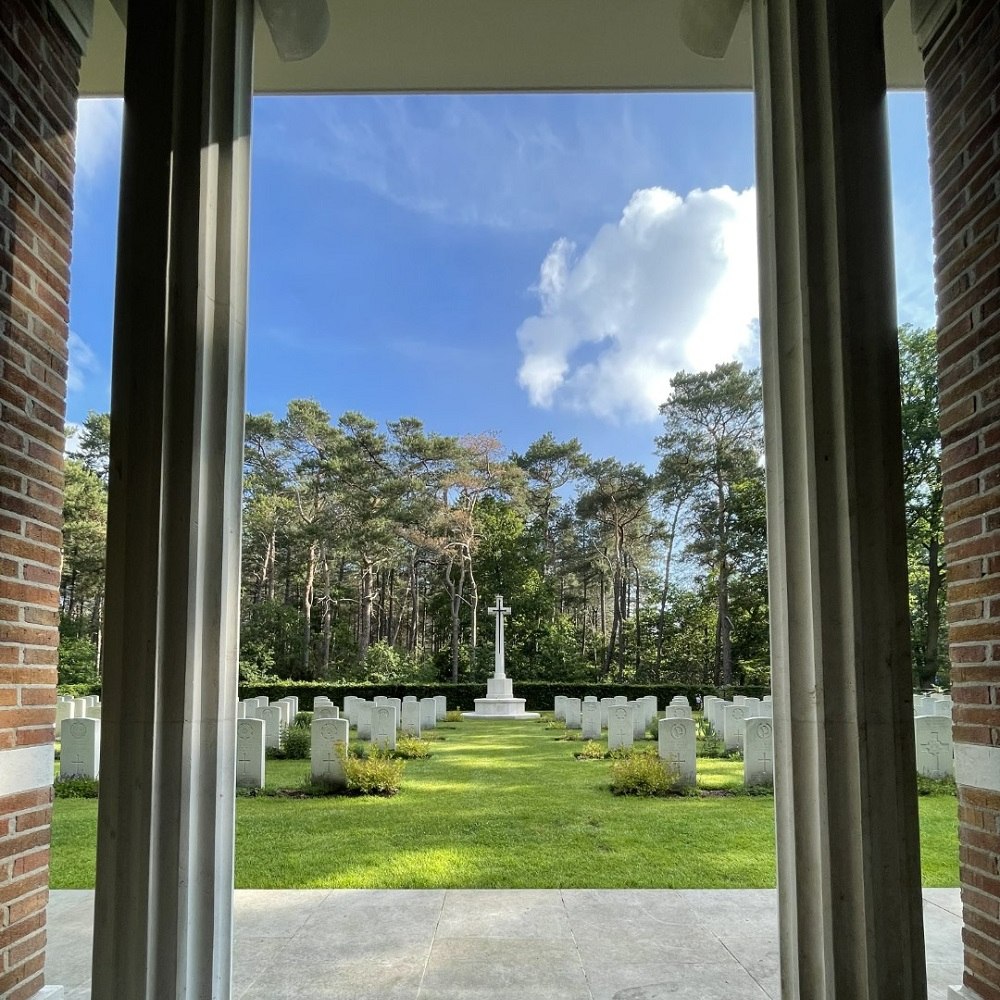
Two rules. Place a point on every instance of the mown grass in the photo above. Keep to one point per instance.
(503, 805)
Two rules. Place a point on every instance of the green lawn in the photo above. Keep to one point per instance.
(502, 805)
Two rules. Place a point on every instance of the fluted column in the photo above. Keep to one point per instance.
(163, 925)
(848, 852)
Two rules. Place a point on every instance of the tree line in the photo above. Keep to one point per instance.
(373, 552)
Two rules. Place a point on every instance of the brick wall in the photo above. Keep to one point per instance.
(963, 93)
(39, 67)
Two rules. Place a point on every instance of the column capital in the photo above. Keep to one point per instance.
(928, 16)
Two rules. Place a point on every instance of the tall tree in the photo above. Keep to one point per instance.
(923, 494)
(715, 419)
(618, 501)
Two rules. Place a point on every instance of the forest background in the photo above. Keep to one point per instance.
(372, 553)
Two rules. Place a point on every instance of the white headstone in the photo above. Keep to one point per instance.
(591, 720)
(620, 699)
(262, 701)
(80, 755)
(942, 706)
(428, 713)
(677, 746)
(559, 707)
(573, 716)
(677, 712)
(397, 704)
(385, 722)
(320, 700)
(329, 749)
(766, 697)
(251, 710)
(410, 723)
(250, 753)
(93, 711)
(64, 711)
(273, 725)
(639, 722)
(80, 711)
(751, 706)
(679, 699)
(653, 705)
(766, 710)
(738, 699)
(241, 710)
(620, 726)
(363, 718)
(325, 712)
(606, 704)
(733, 724)
(93, 699)
(441, 703)
(932, 734)
(758, 754)
(350, 703)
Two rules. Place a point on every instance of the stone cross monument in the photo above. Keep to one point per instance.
(500, 611)
(499, 702)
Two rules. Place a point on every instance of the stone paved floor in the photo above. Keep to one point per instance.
(578, 944)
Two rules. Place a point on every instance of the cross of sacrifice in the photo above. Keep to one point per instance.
(499, 610)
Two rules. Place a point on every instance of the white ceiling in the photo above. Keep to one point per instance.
(469, 45)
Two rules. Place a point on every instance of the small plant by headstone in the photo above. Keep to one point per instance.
(75, 788)
(295, 743)
(592, 750)
(411, 748)
(376, 774)
(643, 774)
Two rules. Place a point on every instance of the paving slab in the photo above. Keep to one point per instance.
(485, 944)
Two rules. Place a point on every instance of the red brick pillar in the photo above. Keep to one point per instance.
(962, 60)
(39, 66)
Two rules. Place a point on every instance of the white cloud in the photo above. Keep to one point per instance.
(480, 160)
(671, 286)
(83, 363)
(98, 135)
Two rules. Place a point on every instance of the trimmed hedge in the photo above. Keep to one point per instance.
(539, 695)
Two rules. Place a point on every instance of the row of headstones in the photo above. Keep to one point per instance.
(378, 722)
(592, 715)
(76, 708)
(676, 736)
(932, 731)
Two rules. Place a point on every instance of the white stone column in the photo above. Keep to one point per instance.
(163, 922)
(848, 854)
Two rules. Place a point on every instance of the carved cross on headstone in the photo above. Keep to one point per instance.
(933, 746)
(499, 610)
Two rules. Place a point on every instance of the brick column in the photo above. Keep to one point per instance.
(962, 62)
(39, 67)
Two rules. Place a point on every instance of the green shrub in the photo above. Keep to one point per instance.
(653, 729)
(591, 750)
(936, 786)
(643, 774)
(376, 774)
(411, 748)
(76, 788)
(553, 723)
(303, 719)
(453, 716)
(570, 736)
(295, 743)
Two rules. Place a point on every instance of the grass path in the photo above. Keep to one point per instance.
(501, 805)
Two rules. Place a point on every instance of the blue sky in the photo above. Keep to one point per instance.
(505, 263)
